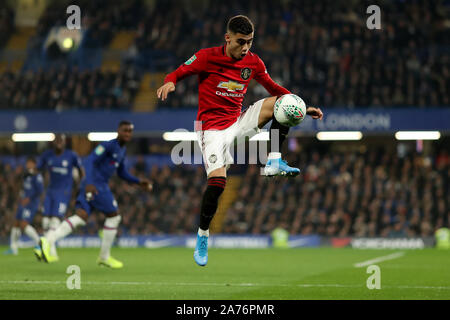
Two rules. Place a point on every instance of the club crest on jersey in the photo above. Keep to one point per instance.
(99, 150)
(231, 85)
(191, 59)
(245, 73)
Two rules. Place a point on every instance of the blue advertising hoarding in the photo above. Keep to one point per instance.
(188, 241)
(365, 120)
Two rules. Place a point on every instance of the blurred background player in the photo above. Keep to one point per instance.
(107, 158)
(59, 162)
(224, 75)
(33, 185)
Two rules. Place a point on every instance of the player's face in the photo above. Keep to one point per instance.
(125, 133)
(30, 165)
(238, 44)
(60, 142)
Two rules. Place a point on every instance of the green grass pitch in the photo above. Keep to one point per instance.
(236, 274)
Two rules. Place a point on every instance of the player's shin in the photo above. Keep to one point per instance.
(32, 233)
(109, 234)
(54, 224)
(278, 134)
(210, 201)
(14, 238)
(65, 228)
(45, 224)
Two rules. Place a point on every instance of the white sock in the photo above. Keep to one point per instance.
(109, 234)
(202, 233)
(45, 224)
(54, 224)
(65, 228)
(32, 233)
(274, 155)
(14, 237)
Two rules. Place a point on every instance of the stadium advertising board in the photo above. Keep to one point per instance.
(215, 241)
(242, 241)
(365, 120)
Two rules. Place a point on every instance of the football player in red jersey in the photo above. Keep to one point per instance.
(224, 74)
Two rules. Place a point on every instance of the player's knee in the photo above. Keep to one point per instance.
(23, 224)
(266, 113)
(220, 172)
(82, 214)
(113, 222)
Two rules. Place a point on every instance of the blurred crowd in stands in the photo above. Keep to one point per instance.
(6, 24)
(101, 20)
(320, 50)
(68, 89)
(373, 194)
(352, 194)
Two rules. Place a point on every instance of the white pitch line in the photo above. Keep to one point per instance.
(136, 283)
(379, 259)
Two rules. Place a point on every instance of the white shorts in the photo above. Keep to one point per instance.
(216, 144)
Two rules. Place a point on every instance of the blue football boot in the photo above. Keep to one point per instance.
(279, 167)
(10, 252)
(201, 250)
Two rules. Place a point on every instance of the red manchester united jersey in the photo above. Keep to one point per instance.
(223, 82)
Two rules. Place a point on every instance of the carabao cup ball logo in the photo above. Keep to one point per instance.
(289, 110)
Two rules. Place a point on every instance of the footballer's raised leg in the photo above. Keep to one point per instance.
(47, 243)
(275, 165)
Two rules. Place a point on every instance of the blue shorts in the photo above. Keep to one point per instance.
(103, 201)
(26, 213)
(56, 203)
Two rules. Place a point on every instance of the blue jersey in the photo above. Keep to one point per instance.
(60, 168)
(33, 185)
(106, 159)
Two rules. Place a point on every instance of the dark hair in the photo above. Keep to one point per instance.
(240, 24)
(125, 123)
(60, 135)
(31, 159)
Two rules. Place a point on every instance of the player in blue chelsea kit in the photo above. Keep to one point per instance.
(107, 158)
(59, 162)
(33, 185)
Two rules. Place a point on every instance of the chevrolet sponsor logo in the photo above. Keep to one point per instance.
(231, 85)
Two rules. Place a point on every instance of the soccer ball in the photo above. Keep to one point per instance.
(289, 110)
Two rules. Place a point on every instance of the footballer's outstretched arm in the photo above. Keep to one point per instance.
(125, 175)
(194, 65)
(263, 77)
(165, 89)
(314, 112)
(79, 166)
